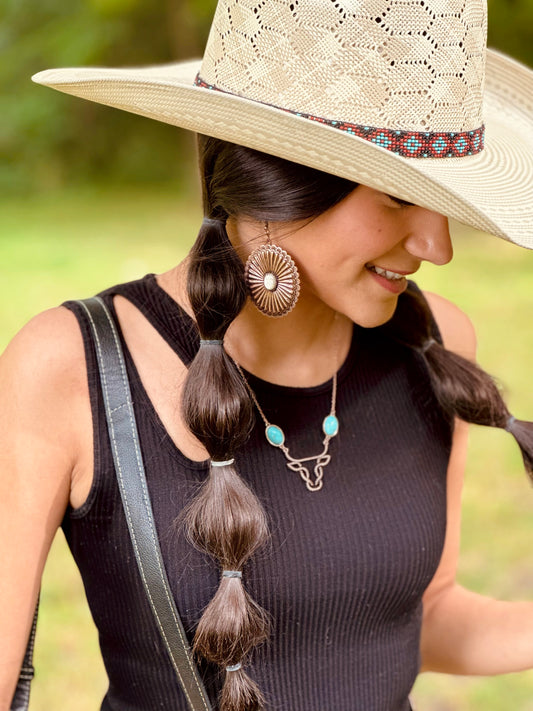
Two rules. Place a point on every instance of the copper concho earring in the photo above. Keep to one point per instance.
(272, 279)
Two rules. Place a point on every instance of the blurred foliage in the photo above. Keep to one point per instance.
(511, 28)
(48, 140)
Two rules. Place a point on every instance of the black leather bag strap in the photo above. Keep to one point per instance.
(21, 697)
(131, 477)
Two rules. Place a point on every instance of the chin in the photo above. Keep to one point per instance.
(374, 317)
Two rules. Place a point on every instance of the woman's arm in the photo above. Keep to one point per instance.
(42, 386)
(463, 632)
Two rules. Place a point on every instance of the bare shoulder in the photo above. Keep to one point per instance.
(49, 347)
(457, 329)
(58, 322)
(43, 376)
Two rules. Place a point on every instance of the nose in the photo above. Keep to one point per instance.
(429, 237)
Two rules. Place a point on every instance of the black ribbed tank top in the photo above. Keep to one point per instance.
(345, 569)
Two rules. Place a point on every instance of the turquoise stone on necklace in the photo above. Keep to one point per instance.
(275, 435)
(330, 426)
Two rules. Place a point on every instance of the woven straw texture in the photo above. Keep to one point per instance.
(491, 191)
(400, 64)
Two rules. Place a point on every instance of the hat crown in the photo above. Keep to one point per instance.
(415, 65)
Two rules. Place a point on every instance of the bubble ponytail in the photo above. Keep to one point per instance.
(225, 519)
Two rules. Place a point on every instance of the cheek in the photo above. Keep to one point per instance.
(333, 258)
(331, 274)
(350, 289)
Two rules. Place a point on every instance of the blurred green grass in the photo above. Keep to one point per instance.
(71, 244)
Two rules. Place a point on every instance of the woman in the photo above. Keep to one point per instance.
(335, 142)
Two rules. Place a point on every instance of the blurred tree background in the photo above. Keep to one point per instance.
(40, 131)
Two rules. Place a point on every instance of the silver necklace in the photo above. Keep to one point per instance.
(276, 437)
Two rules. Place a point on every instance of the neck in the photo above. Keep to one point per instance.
(303, 349)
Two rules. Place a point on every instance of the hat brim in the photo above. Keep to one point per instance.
(491, 191)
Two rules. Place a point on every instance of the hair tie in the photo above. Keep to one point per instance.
(234, 667)
(226, 463)
(213, 222)
(231, 574)
(509, 424)
(427, 345)
(208, 342)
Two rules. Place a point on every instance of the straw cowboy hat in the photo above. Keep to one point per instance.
(400, 95)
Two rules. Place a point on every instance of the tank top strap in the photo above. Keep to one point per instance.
(168, 318)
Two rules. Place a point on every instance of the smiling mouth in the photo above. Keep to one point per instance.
(386, 273)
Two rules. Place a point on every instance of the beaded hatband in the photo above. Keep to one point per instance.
(408, 144)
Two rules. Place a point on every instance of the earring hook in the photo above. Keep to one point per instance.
(267, 232)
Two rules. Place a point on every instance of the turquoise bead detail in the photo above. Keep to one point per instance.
(274, 435)
(330, 426)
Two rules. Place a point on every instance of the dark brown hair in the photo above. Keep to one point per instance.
(463, 389)
(226, 519)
